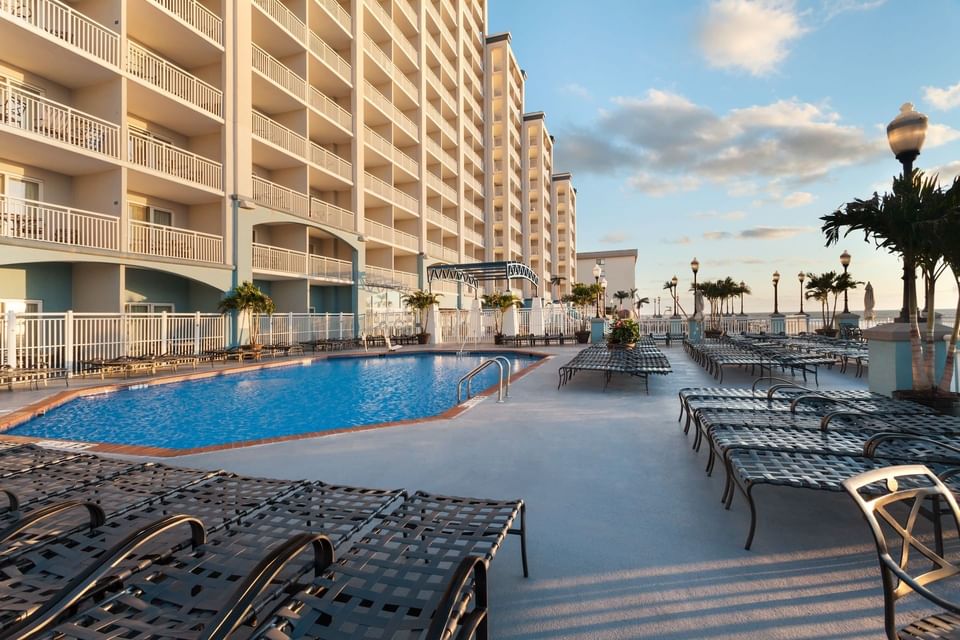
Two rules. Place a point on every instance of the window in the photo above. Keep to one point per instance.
(154, 215)
(30, 306)
(149, 307)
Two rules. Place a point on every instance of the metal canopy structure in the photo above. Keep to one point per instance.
(472, 274)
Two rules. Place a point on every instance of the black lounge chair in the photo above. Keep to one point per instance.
(642, 361)
(891, 500)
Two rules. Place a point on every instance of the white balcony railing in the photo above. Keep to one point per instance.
(279, 260)
(473, 183)
(382, 232)
(379, 275)
(391, 194)
(66, 24)
(328, 56)
(441, 220)
(390, 110)
(331, 214)
(451, 255)
(287, 19)
(441, 154)
(387, 149)
(375, 52)
(329, 268)
(163, 157)
(328, 160)
(326, 106)
(275, 133)
(281, 198)
(472, 209)
(337, 13)
(43, 222)
(279, 73)
(44, 117)
(196, 15)
(168, 77)
(170, 242)
(441, 187)
(472, 236)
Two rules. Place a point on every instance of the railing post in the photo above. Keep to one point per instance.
(290, 328)
(196, 332)
(11, 338)
(163, 333)
(68, 343)
(340, 326)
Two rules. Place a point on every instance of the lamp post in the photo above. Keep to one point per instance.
(596, 277)
(673, 291)
(694, 266)
(801, 276)
(845, 261)
(906, 133)
(776, 282)
(743, 287)
(603, 295)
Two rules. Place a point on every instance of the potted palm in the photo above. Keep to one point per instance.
(582, 296)
(820, 287)
(420, 301)
(247, 301)
(500, 302)
(624, 334)
(918, 222)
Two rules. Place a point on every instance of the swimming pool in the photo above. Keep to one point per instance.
(322, 395)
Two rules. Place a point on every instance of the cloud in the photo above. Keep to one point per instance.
(680, 240)
(614, 237)
(578, 90)
(939, 135)
(943, 99)
(667, 143)
(717, 215)
(833, 8)
(658, 186)
(772, 233)
(717, 235)
(753, 36)
(947, 172)
(797, 199)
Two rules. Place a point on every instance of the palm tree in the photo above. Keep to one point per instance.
(247, 300)
(420, 301)
(555, 281)
(582, 296)
(821, 287)
(640, 302)
(501, 302)
(621, 296)
(948, 235)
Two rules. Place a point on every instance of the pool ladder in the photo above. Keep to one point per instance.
(503, 384)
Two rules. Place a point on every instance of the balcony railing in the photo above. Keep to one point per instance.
(275, 133)
(390, 69)
(196, 15)
(440, 121)
(407, 9)
(337, 13)
(325, 105)
(441, 154)
(328, 160)
(472, 209)
(391, 111)
(331, 58)
(329, 268)
(331, 214)
(66, 24)
(387, 149)
(279, 73)
(379, 275)
(43, 222)
(391, 193)
(473, 183)
(284, 17)
(379, 231)
(44, 117)
(472, 236)
(280, 260)
(441, 187)
(281, 198)
(165, 158)
(164, 75)
(170, 242)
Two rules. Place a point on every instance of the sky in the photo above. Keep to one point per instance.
(724, 129)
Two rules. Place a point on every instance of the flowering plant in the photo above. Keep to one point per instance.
(624, 331)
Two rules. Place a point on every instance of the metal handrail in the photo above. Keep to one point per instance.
(506, 366)
(468, 378)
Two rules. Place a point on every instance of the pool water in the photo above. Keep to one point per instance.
(329, 394)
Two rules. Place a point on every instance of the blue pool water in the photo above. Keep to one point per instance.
(327, 394)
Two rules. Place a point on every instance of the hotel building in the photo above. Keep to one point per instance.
(155, 153)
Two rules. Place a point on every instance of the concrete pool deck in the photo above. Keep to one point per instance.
(626, 534)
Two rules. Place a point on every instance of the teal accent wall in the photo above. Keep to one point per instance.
(50, 282)
(332, 299)
(263, 285)
(156, 286)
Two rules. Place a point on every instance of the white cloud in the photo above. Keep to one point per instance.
(943, 99)
(578, 90)
(658, 186)
(797, 199)
(947, 172)
(718, 215)
(614, 237)
(940, 134)
(833, 8)
(750, 35)
(772, 233)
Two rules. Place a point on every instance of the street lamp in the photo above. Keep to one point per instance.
(776, 281)
(673, 289)
(596, 277)
(906, 133)
(801, 276)
(694, 266)
(603, 295)
(845, 261)
(743, 287)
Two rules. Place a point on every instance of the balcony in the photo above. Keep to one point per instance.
(280, 75)
(441, 187)
(333, 112)
(195, 15)
(473, 183)
(172, 162)
(333, 60)
(332, 215)
(390, 194)
(170, 242)
(472, 209)
(280, 198)
(397, 36)
(441, 122)
(34, 118)
(49, 223)
(72, 49)
(407, 10)
(337, 14)
(401, 80)
(300, 264)
(382, 276)
(441, 220)
(472, 236)
(390, 110)
(331, 163)
(187, 93)
(378, 231)
(441, 154)
(280, 139)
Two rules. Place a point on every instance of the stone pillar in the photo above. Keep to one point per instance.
(433, 325)
(891, 361)
(537, 326)
(511, 321)
(778, 323)
(475, 320)
(596, 330)
(676, 326)
(694, 330)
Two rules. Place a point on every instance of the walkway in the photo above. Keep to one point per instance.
(627, 535)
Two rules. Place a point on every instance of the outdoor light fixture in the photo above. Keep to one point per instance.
(776, 281)
(801, 276)
(743, 287)
(674, 281)
(596, 277)
(906, 133)
(845, 261)
(603, 295)
(694, 266)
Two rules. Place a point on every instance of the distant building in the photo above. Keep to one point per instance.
(619, 268)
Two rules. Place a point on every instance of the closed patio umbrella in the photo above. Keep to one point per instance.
(869, 303)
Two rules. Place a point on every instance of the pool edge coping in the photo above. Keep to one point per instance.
(24, 414)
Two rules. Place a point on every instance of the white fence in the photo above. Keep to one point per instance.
(67, 340)
(388, 323)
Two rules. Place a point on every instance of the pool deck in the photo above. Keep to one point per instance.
(626, 534)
